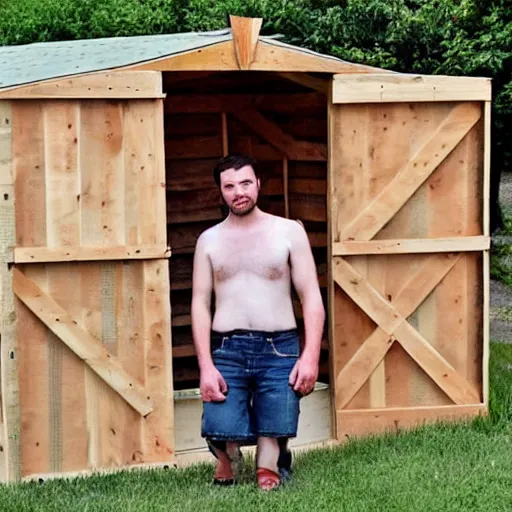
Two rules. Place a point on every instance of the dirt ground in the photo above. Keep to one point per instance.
(501, 294)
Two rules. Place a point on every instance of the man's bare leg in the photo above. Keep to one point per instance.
(266, 457)
(228, 464)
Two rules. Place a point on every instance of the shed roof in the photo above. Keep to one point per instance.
(26, 64)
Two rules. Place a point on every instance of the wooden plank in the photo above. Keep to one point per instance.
(485, 327)
(67, 440)
(10, 461)
(409, 246)
(190, 200)
(29, 173)
(186, 175)
(95, 119)
(218, 103)
(318, 84)
(158, 427)
(34, 385)
(217, 57)
(378, 421)
(254, 146)
(347, 171)
(332, 126)
(114, 432)
(194, 216)
(147, 169)
(308, 208)
(83, 253)
(183, 238)
(269, 57)
(44, 477)
(399, 87)
(275, 186)
(360, 367)
(389, 320)
(6, 177)
(85, 346)
(420, 284)
(225, 135)
(406, 382)
(183, 351)
(245, 39)
(487, 168)
(194, 147)
(410, 177)
(285, 188)
(67, 425)
(444, 375)
(112, 85)
(187, 125)
(124, 425)
(29, 148)
(101, 141)
(293, 149)
(377, 275)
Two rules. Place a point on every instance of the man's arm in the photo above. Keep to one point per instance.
(212, 384)
(305, 280)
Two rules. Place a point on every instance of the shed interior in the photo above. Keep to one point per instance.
(264, 115)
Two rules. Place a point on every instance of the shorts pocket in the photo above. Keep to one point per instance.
(285, 348)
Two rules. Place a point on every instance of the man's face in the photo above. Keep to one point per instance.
(240, 189)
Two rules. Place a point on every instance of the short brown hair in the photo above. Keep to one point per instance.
(234, 161)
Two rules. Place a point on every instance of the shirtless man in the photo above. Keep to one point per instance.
(251, 372)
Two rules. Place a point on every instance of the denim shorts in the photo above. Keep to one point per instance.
(260, 402)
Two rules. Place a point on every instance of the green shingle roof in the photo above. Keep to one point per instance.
(25, 64)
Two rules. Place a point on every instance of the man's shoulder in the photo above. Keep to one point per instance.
(209, 235)
(290, 226)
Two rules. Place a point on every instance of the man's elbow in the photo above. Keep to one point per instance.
(313, 304)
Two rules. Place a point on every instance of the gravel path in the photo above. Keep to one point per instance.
(501, 294)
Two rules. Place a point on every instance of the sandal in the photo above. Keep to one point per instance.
(267, 479)
(236, 460)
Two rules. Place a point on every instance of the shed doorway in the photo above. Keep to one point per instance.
(283, 125)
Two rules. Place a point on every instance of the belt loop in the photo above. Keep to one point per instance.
(270, 340)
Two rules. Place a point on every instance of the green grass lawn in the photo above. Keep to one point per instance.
(436, 468)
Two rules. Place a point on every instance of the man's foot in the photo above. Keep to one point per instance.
(267, 479)
(229, 465)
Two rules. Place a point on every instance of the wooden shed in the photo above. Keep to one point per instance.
(106, 154)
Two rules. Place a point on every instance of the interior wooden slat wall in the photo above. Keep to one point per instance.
(195, 110)
(90, 173)
(369, 144)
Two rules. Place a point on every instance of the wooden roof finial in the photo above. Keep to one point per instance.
(245, 39)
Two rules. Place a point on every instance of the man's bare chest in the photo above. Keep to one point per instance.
(265, 257)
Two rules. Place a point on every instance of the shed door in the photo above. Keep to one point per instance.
(91, 278)
(408, 249)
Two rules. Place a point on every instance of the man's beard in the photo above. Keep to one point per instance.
(248, 208)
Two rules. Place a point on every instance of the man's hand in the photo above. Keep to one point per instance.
(303, 376)
(212, 385)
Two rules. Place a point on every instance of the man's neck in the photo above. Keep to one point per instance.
(245, 221)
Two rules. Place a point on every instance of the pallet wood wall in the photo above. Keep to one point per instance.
(407, 240)
(93, 336)
(281, 124)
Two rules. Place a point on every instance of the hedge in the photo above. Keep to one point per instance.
(452, 37)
